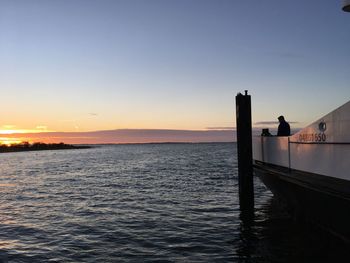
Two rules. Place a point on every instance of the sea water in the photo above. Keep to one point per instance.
(142, 203)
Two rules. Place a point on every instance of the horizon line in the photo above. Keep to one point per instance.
(120, 136)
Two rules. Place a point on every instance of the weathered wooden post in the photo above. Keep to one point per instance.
(244, 151)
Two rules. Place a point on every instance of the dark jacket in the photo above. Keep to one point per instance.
(283, 129)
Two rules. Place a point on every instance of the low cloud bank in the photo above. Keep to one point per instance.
(129, 136)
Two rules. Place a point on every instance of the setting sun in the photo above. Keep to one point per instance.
(9, 141)
(9, 130)
(15, 135)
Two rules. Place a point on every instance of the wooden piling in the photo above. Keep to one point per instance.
(244, 152)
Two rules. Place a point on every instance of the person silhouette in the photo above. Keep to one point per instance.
(283, 127)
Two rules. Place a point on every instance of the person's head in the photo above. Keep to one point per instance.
(281, 118)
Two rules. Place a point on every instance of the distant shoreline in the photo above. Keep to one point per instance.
(26, 147)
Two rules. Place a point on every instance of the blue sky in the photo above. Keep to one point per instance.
(73, 65)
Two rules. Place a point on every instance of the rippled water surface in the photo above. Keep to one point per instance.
(139, 203)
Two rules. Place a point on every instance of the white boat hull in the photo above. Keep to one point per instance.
(311, 170)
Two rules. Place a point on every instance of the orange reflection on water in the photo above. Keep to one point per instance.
(8, 244)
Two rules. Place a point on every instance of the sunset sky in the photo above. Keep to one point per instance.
(84, 65)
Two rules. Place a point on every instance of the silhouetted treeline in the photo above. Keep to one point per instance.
(38, 146)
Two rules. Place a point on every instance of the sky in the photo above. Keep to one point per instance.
(89, 65)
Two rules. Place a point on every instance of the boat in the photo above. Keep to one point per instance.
(310, 170)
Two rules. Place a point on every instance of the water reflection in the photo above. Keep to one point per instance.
(272, 235)
(247, 237)
(143, 203)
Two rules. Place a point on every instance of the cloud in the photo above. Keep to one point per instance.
(9, 126)
(41, 127)
(220, 128)
(130, 136)
(68, 120)
(270, 123)
(266, 123)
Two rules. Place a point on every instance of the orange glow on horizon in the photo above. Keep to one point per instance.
(8, 131)
(20, 131)
(11, 135)
(9, 141)
(13, 129)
